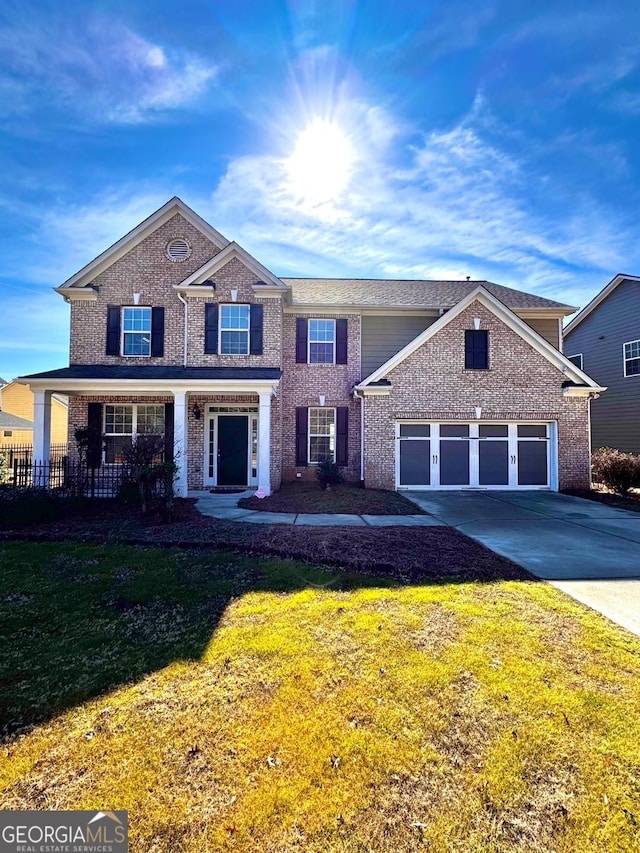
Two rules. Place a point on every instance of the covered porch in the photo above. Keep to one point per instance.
(212, 418)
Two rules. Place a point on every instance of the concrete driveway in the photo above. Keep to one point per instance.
(587, 549)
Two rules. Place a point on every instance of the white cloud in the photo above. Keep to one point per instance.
(96, 69)
(460, 207)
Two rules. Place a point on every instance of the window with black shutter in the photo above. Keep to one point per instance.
(476, 349)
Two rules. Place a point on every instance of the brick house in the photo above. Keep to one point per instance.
(253, 379)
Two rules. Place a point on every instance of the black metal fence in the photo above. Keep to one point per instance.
(74, 478)
(24, 452)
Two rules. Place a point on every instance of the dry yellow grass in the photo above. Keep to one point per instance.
(450, 718)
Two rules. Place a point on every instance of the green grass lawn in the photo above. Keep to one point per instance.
(238, 704)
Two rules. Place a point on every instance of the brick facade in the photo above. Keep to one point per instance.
(431, 384)
(520, 384)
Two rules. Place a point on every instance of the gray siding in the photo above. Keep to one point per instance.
(546, 327)
(383, 337)
(615, 416)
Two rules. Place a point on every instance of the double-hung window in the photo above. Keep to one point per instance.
(631, 358)
(123, 422)
(234, 329)
(322, 435)
(136, 331)
(322, 342)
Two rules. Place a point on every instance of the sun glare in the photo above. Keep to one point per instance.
(320, 165)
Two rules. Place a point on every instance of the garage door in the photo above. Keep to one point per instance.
(475, 455)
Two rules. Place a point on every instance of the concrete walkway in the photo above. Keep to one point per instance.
(225, 506)
(586, 549)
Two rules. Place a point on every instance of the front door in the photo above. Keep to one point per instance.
(233, 443)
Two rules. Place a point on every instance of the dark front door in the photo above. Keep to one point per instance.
(233, 443)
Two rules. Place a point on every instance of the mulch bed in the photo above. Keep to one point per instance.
(301, 497)
(407, 554)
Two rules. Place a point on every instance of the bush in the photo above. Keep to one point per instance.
(22, 507)
(4, 471)
(328, 474)
(618, 471)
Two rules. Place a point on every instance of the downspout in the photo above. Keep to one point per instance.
(361, 398)
(186, 318)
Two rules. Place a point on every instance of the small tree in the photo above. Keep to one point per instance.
(328, 474)
(142, 457)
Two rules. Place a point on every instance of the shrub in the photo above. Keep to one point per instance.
(4, 471)
(22, 507)
(328, 474)
(618, 471)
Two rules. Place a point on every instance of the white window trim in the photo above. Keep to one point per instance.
(134, 425)
(323, 435)
(571, 357)
(309, 342)
(248, 329)
(123, 333)
(625, 359)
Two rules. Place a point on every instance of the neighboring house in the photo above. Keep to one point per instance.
(16, 415)
(604, 340)
(253, 379)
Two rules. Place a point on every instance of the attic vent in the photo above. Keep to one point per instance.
(178, 250)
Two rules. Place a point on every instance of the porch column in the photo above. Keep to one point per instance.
(180, 441)
(264, 443)
(41, 437)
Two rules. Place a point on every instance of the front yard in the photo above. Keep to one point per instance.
(345, 498)
(233, 702)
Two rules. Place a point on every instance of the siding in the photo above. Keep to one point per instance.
(615, 415)
(547, 327)
(383, 337)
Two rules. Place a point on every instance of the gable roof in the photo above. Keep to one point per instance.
(232, 250)
(598, 298)
(482, 295)
(9, 421)
(407, 293)
(135, 236)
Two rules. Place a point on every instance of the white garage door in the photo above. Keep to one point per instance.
(475, 455)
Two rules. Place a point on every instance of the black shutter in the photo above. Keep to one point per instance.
(255, 330)
(113, 330)
(302, 430)
(94, 425)
(342, 434)
(157, 332)
(476, 349)
(341, 341)
(168, 431)
(211, 328)
(301, 340)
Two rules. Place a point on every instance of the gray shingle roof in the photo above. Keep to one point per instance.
(9, 421)
(389, 293)
(125, 371)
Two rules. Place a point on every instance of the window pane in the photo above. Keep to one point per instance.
(532, 463)
(136, 343)
(632, 349)
(150, 420)
(494, 463)
(136, 319)
(454, 430)
(320, 448)
(454, 463)
(576, 359)
(115, 445)
(119, 419)
(320, 353)
(234, 343)
(234, 317)
(321, 421)
(494, 431)
(415, 468)
(632, 367)
(321, 330)
(532, 431)
(415, 430)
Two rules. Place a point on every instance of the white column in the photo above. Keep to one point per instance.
(180, 441)
(41, 437)
(264, 443)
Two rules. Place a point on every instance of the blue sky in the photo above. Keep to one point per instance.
(496, 139)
